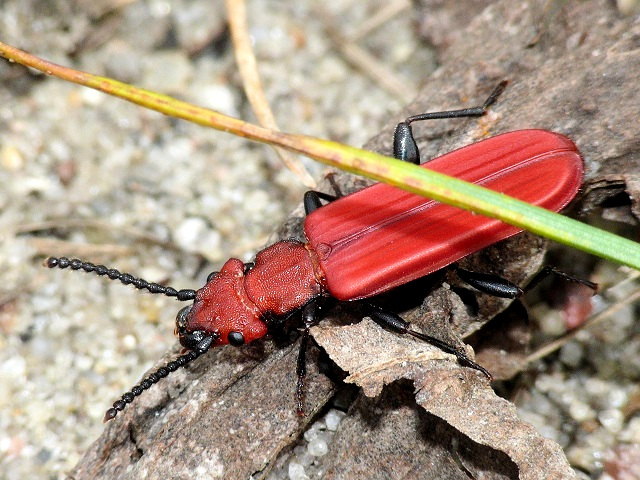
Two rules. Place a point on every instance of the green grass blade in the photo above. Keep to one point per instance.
(378, 167)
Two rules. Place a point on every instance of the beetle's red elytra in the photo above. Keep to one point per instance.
(381, 237)
(366, 243)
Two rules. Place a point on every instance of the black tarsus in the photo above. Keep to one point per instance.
(404, 144)
(548, 270)
(125, 278)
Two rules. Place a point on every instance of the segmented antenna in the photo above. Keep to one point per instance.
(126, 278)
(154, 377)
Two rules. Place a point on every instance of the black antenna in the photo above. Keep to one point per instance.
(126, 278)
(128, 397)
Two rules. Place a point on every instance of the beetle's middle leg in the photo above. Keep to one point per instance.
(396, 324)
(309, 319)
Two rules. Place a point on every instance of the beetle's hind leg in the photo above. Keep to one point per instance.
(503, 288)
(396, 324)
(548, 270)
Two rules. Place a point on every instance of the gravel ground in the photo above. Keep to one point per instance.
(88, 175)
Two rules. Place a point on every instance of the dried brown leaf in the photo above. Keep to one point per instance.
(459, 396)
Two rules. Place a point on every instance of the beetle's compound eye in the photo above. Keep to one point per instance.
(211, 276)
(235, 338)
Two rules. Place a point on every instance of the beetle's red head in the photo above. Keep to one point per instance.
(221, 309)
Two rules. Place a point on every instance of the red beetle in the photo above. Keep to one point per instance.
(366, 243)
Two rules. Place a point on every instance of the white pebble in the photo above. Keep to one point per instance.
(129, 342)
(611, 419)
(311, 434)
(552, 323)
(333, 419)
(296, 472)
(303, 457)
(91, 97)
(189, 232)
(571, 354)
(13, 367)
(195, 235)
(580, 411)
(617, 398)
(596, 387)
(318, 447)
(631, 434)
(42, 348)
(83, 362)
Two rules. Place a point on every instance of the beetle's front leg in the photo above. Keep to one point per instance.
(309, 319)
(312, 200)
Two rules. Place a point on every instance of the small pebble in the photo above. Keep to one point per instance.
(318, 446)
(612, 420)
(333, 419)
(571, 354)
(296, 472)
(581, 411)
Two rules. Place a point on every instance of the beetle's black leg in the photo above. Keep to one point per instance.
(331, 177)
(312, 200)
(548, 270)
(503, 288)
(301, 372)
(309, 319)
(396, 324)
(491, 284)
(404, 145)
